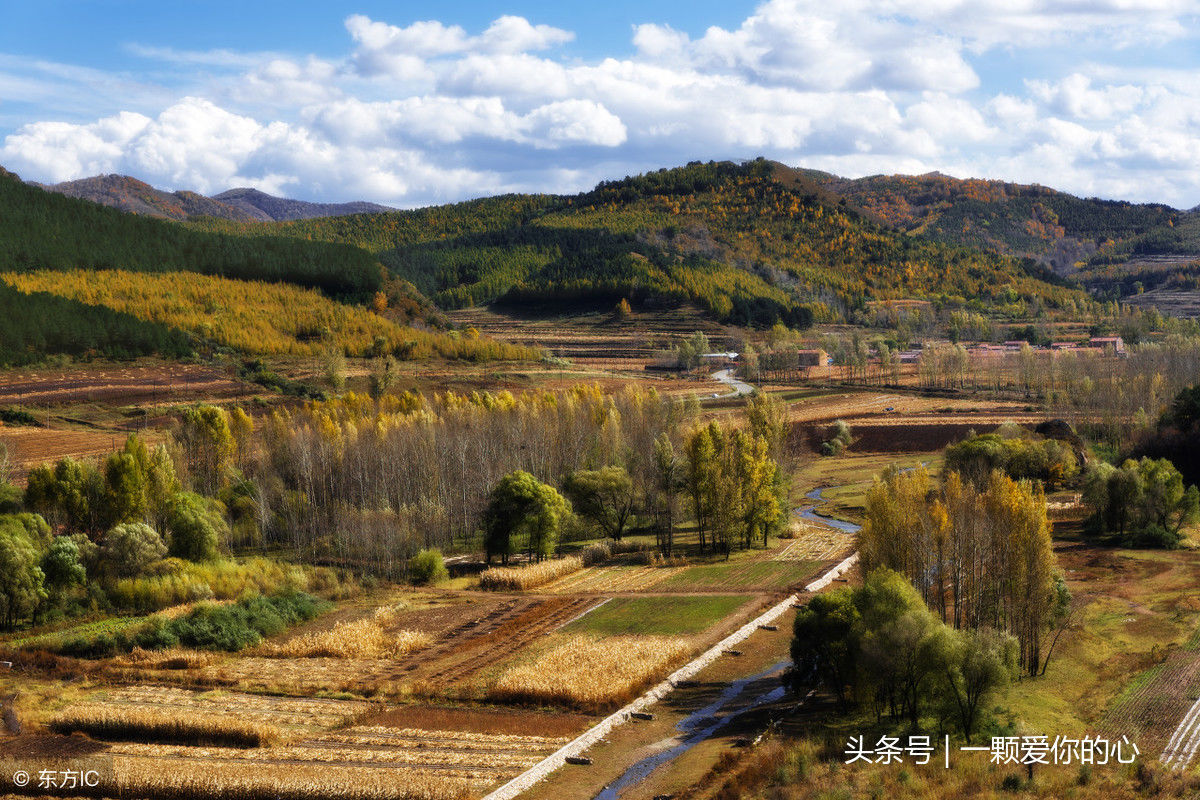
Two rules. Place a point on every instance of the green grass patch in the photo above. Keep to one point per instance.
(741, 574)
(657, 616)
(88, 630)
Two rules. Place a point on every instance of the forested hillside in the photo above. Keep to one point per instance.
(1058, 229)
(750, 243)
(42, 230)
(255, 318)
(35, 324)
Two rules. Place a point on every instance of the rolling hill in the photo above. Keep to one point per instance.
(44, 230)
(751, 243)
(240, 205)
(83, 279)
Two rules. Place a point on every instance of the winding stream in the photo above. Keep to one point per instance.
(737, 698)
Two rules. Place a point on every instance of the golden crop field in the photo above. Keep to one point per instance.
(367, 638)
(315, 750)
(111, 721)
(611, 579)
(590, 673)
(814, 543)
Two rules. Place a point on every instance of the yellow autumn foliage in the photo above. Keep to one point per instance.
(255, 317)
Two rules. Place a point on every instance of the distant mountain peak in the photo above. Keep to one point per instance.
(254, 201)
(241, 204)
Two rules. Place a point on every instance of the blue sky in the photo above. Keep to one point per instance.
(410, 104)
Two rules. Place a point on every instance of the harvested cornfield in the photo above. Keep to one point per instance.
(178, 778)
(132, 723)
(590, 673)
(530, 576)
(367, 638)
(815, 543)
(299, 675)
(292, 716)
(376, 762)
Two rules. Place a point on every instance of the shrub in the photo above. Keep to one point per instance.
(156, 634)
(208, 626)
(427, 568)
(12, 499)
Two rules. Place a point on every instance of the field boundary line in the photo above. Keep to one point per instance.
(552, 762)
(585, 612)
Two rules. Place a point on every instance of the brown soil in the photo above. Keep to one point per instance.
(506, 721)
(482, 642)
(49, 746)
(119, 384)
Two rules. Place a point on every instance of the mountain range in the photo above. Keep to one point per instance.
(238, 205)
(752, 242)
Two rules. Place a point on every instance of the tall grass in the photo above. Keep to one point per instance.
(131, 723)
(590, 674)
(530, 576)
(180, 582)
(364, 638)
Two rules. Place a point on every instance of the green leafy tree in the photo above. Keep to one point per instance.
(162, 484)
(668, 481)
(977, 665)
(825, 644)
(62, 568)
(605, 496)
(196, 528)
(124, 488)
(22, 589)
(522, 509)
(71, 493)
(1144, 502)
(129, 549)
(208, 447)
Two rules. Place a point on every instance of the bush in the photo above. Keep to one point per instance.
(12, 499)
(209, 626)
(840, 438)
(156, 634)
(427, 568)
(1155, 536)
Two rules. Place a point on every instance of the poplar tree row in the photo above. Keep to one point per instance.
(979, 556)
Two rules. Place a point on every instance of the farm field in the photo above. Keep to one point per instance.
(323, 743)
